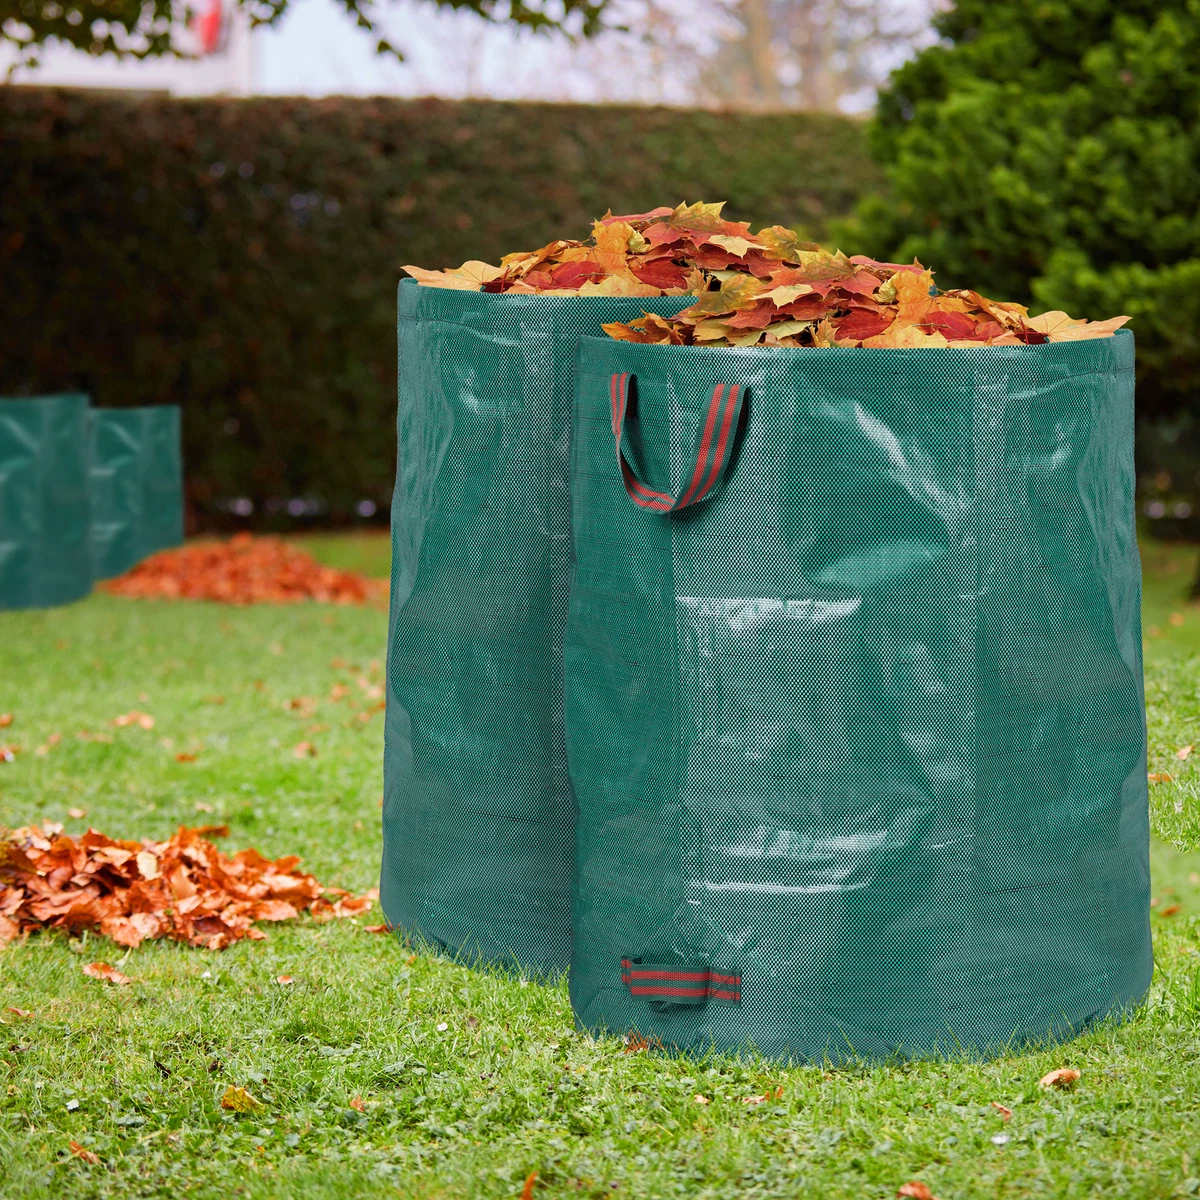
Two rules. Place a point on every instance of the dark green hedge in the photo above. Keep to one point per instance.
(240, 257)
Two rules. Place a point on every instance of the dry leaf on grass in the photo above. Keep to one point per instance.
(1158, 777)
(185, 758)
(244, 570)
(88, 1156)
(915, 1190)
(239, 1100)
(358, 1105)
(19, 1012)
(9, 753)
(285, 980)
(1184, 753)
(76, 814)
(527, 1190)
(376, 928)
(1169, 911)
(304, 750)
(6, 719)
(635, 1043)
(699, 1099)
(145, 720)
(1006, 1113)
(101, 970)
(184, 888)
(1063, 1078)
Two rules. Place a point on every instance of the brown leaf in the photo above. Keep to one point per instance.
(185, 758)
(83, 1152)
(19, 1012)
(285, 980)
(358, 1105)
(700, 1099)
(6, 719)
(304, 750)
(102, 971)
(1004, 1112)
(527, 1190)
(1169, 911)
(239, 1100)
(1158, 777)
(376, 928)
(915, 1190)
(1184, 753)
(1063, 1078)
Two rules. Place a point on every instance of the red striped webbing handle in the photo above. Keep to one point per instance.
(714, 445)
(672, 984)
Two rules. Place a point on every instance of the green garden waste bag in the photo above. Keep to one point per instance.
(136, 481)
(45, 548)
(854, 702)
(478, 816)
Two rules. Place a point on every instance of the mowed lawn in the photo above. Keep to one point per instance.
(467, 1080)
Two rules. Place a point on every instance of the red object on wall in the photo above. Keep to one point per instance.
(210, 27)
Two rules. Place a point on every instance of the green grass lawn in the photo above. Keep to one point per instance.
(470, 1080)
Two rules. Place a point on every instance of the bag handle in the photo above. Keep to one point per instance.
(714, 446)
(666, 986)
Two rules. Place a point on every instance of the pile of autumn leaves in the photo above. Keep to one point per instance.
(763, 289)
(184, 888)
(243, 570)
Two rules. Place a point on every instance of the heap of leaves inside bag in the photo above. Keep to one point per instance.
(819, 298)
(664, 252)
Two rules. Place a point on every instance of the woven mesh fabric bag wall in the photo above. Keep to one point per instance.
(478, 815)
(136, 483)
(45, 542)
(857, 741)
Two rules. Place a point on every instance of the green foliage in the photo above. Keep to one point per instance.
(468, 1079)
(240, 257)
(1049, 151)
(152, 28)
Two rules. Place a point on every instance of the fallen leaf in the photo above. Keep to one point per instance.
(304, 750)
(376, 928)
(76, 814)
(101, 970)
(185, 758)
(527, 1190)
(1169, 911)
(1158, 777)
(88, 1156)
(239, 1100)
(358, 1105)
(1004, 1112)
(1184, 752)
(20, 1012)
(9, 753)
(915, 1190)
(756, 1099)
(634, 1043)
(6, 719)
(285, 980)
(699, 1099)
(214, 699)
(1063, 1078)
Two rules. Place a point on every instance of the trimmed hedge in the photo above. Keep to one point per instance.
(240, 257)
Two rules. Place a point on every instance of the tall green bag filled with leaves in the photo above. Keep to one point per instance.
(853, 676)
(45, 515)
(478, 818)
(136, 483)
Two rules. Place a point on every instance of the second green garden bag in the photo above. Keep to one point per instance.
(136, 479)
(854, 697)
(478, 816)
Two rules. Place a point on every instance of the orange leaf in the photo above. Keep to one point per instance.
(76, 814)
(20, 1012)
(1169, 911)
(916, 1190)
(1063, 1078)
(1004, 1112)
(285, 980)
(358, 1105)
(376, 928)
(527, 1190)
(699, 1099)
(238, 1099)
(6, 719)
(1158, 777)
(101, 970)
(304, 750)
(83, 1152)
(185, 758)
(1184, 753)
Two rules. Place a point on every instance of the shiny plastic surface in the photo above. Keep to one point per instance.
(45, 549)
(863, 735)
(478, 815)
(136, 484)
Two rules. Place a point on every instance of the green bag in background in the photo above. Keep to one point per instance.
(45, 545)
(478, 817)
(136, 480)
(854, 699)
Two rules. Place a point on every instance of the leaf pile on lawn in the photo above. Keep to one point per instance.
(243, 570)
(184, 888)
(823, 298)
(664, 252)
